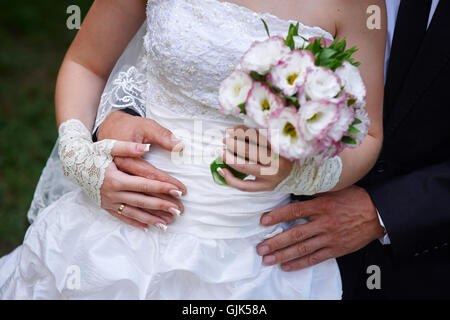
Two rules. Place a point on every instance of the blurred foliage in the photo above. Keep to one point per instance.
(34, 39)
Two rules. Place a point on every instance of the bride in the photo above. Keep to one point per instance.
(85, 245)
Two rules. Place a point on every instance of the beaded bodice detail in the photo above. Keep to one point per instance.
(193, 45)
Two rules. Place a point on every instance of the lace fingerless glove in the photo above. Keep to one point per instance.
(84, 162)
(310, 179)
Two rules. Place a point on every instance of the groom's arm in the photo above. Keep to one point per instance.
(415, 209)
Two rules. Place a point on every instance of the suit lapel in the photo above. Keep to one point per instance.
(433, 55)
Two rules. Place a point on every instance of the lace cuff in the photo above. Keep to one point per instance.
(126, 91)
(310, 179)
(83, 161)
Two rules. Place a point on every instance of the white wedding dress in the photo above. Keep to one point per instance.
(210, 251)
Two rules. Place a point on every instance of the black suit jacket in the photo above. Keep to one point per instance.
(410, 184)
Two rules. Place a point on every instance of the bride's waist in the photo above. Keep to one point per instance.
(214, 211)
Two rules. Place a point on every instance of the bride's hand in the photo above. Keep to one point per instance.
(248, 151)
(147, 199)
(90, 165)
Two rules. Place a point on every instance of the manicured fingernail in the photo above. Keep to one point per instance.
(179, 144)
(221, 172)
(263, 250)
(144, 147)
(286, 268)
(176, 193)
(161, 226)
(269, 259)
(175, 211)
(266, 220)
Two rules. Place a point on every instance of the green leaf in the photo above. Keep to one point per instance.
(351, 102)
(293, 31)
(266, 27)
(218, 179)
(326, 56)
(242, 108)
(348, 140)
(334, 56)
(357, 121)
(257, 77)
(353, 130)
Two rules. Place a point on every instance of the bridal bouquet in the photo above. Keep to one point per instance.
(307, 93)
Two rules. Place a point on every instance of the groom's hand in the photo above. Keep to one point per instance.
(339, 223)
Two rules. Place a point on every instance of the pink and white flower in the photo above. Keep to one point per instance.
(322, 83)
(234, 91)
(316, 118)
(291, 71)
(262, 55)
(345, 119)
(363, 127)
(352, 81)
(285, 136)
(261, 102)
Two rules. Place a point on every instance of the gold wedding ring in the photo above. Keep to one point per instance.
(120, 210)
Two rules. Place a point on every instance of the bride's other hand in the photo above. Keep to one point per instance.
(248, 151)
(147, 202)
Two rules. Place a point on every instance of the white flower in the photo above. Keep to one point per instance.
(262, 55)
(316, 118)
(345, 119)
(352, 81)
(291, 72)
(300, 42)
(322, 83)
(234, 91)
(284, 135)
(261, 102)
(363, 127)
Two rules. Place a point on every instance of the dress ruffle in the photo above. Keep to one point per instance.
(116, 261)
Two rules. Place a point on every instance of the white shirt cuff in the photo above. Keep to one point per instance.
(384, 239)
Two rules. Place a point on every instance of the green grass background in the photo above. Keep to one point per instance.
(33, 40)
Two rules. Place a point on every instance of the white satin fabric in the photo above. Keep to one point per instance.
(210, 251)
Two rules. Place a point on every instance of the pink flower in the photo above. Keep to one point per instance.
(291, 71)
(345, 119)
(284, 134)
(322, 83)
(261, 102)
(352, 81)
(234, 91)
(363, 127)
(316, 118)
(262, 55)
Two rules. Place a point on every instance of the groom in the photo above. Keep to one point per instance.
(392, 231)
(409, 186)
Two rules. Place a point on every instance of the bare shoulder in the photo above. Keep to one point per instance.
(335, 16)
(363, 16)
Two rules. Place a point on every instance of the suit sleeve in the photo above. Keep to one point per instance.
(415, 209)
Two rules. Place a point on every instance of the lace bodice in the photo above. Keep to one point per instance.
(193, 45)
